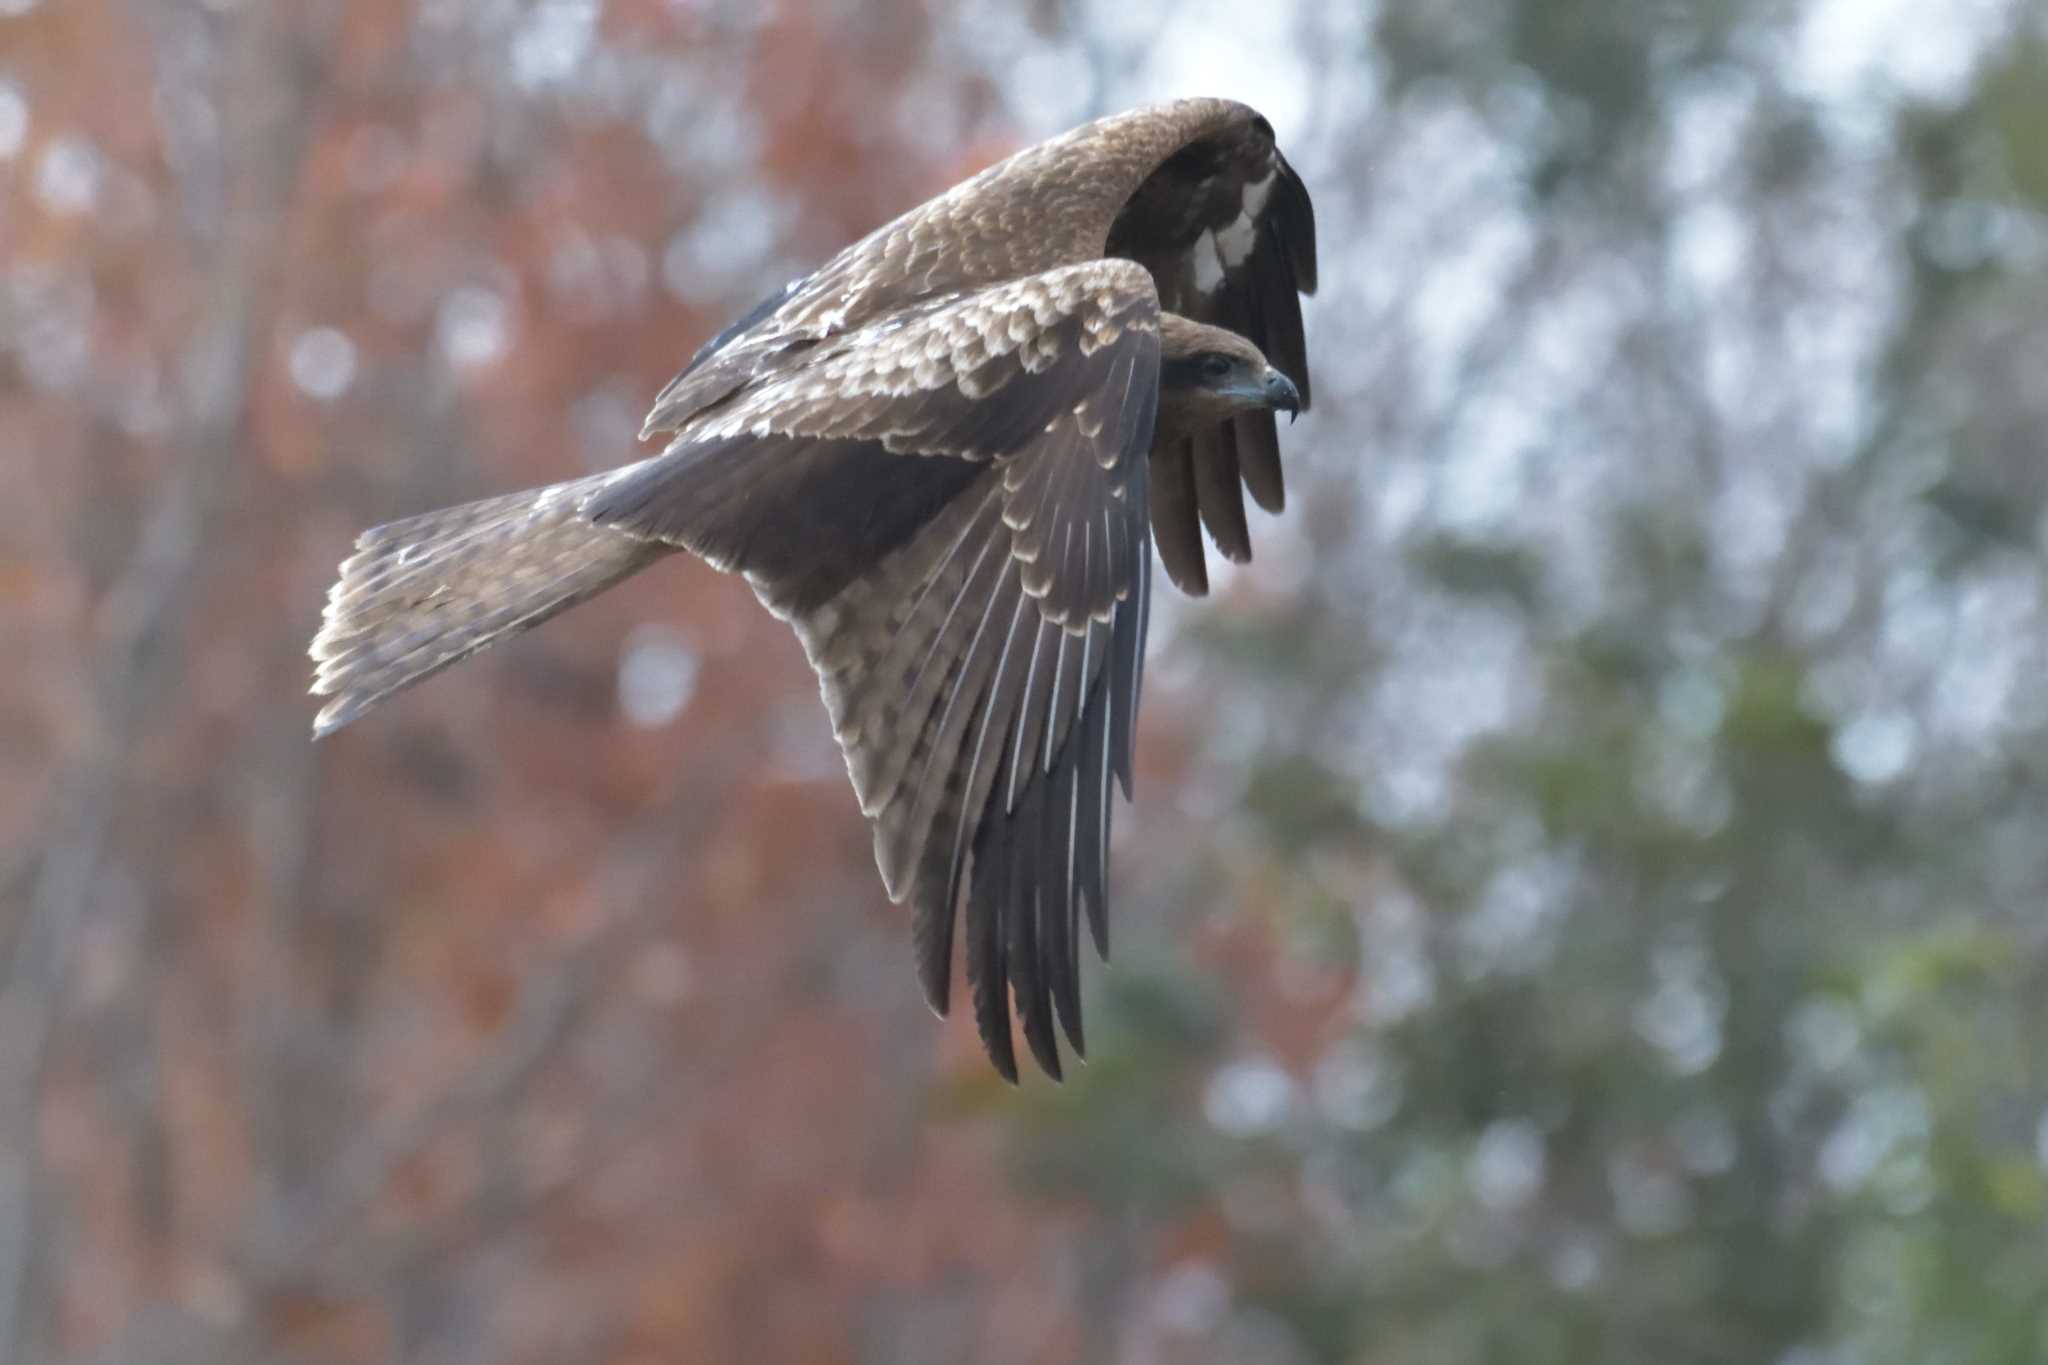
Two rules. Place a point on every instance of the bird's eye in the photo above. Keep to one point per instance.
(1215, 365)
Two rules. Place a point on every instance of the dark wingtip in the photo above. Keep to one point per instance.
(1047, 1050)
(1035, 1007)
(1002, 1058)
(1297, 223)
(1191, 580)
(934, 948)
(1098, 925)
(992, 1021)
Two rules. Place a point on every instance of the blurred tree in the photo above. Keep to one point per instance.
(1586, 902)
(1635, 796)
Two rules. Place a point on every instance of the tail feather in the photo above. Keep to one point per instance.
(428, 591)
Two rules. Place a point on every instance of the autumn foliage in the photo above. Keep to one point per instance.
(499, 1027)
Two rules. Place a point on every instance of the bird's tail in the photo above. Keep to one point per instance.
(429, 591)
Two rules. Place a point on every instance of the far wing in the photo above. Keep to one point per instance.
(1048, 206)
(949, 505)
(1229, 234)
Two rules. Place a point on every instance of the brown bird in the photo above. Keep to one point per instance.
(941, 457)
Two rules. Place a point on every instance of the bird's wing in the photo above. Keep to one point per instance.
(1228, 232)
(949, 505)
(1054, 204)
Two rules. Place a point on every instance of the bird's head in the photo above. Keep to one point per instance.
(1210, 374)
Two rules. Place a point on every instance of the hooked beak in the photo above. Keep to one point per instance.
(1281, 395)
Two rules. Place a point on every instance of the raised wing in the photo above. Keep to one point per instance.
(1194, 190)
(1228, 232)
(949, 505)
(1051, 205)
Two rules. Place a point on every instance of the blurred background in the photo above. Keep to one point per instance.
(1586, 898)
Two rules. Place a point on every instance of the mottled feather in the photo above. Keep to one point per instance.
(942, 456)
(431, 590)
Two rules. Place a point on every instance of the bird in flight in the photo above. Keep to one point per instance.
(943, 457)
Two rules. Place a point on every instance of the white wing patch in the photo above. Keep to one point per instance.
(1235, 242)
(1255, 194)
(1208, 263)
(1224, 249)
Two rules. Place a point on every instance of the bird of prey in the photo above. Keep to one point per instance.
(943, 457)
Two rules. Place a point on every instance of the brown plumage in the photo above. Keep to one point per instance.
(941, 457)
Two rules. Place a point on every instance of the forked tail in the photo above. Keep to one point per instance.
(429, 591)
